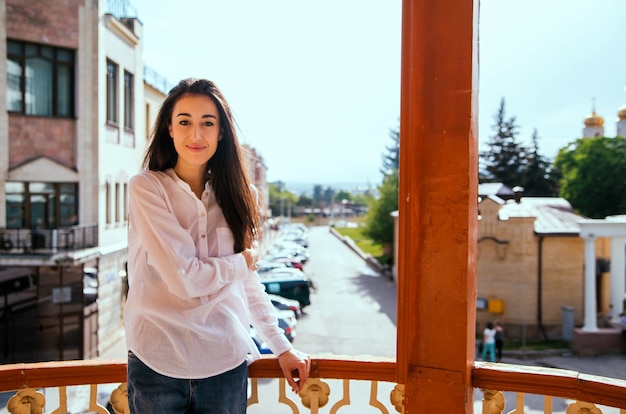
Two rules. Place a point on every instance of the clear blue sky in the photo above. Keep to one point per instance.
(315, 86)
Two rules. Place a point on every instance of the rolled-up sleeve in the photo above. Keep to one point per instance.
(263, 315)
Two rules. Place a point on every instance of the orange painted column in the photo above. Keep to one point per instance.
(438, 205)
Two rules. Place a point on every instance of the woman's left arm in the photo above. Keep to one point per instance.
(263, 315)
(295, 365)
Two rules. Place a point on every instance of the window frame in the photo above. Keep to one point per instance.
(129, 101)
(56, 195)
(112, 94)
(60, 58)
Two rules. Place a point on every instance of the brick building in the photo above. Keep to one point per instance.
(73, 119)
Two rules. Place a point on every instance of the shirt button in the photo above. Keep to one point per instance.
(203, 236)
(202, 214)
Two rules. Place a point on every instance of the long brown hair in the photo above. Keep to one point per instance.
(225, 170)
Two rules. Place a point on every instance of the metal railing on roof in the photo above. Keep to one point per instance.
(121, 9)
(154, 79)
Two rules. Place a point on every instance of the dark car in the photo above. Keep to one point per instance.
(287, 322)
(283, 303)
(287, 259)
(288, 284)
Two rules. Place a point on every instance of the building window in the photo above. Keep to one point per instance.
(112, 103)
(40, 79)
(129, 108)
(148, 121)
(108, 203)
(118, 203)
(41, 205)
(125, 195)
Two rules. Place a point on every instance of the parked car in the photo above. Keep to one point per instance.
(290, 249)
(90, 287)
(287, 253)
(296, 227)
(282, 303)
(302, 239)
(288, 284)
(289, 260)
(282, 244)
(287, 321)
(264, 266)
(260, 344)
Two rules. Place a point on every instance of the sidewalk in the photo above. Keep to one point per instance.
(610, 365)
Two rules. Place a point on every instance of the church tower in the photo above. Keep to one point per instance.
(621, 122)
(594, 126)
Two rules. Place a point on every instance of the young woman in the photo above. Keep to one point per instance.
(193, 289)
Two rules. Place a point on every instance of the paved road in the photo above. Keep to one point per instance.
(353, 310)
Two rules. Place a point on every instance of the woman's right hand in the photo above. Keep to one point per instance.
(251, 257)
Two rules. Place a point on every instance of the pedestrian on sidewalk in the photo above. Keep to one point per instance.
(193, 289)
(489, 343)
(499, 338)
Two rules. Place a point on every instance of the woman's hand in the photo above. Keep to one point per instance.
(296, 367)
(251, 257)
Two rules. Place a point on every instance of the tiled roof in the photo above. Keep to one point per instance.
(487, 189)
(554, 215)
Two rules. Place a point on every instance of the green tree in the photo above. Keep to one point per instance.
(280, 198)
(391, 159)
(328, 196)
(304, 201)
(342, 195)
(379, 223)
(362, 199)
(318, 195)
(505, 161)
(540, 178)
(593, 171)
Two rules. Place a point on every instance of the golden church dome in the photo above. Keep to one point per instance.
(621, 113)
(594, 120)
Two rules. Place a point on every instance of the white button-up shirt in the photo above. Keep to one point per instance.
(191, 299)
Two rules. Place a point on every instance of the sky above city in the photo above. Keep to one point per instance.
(315, 86)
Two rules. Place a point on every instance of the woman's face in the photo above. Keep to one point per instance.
(195, 129)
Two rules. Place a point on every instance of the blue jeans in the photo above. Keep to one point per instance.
(489, 348)
(152, 393)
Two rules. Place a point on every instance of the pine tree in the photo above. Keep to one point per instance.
(391, 160)
(540, 177)
(505, 161)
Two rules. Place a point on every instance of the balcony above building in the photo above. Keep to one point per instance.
(47, 242)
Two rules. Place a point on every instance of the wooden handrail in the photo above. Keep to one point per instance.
(61, 373)
(550, 381)
(501, 377)
(66, 373)
(335, 367)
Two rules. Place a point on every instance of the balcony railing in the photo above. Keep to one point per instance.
(590, 393)
(47, 241)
